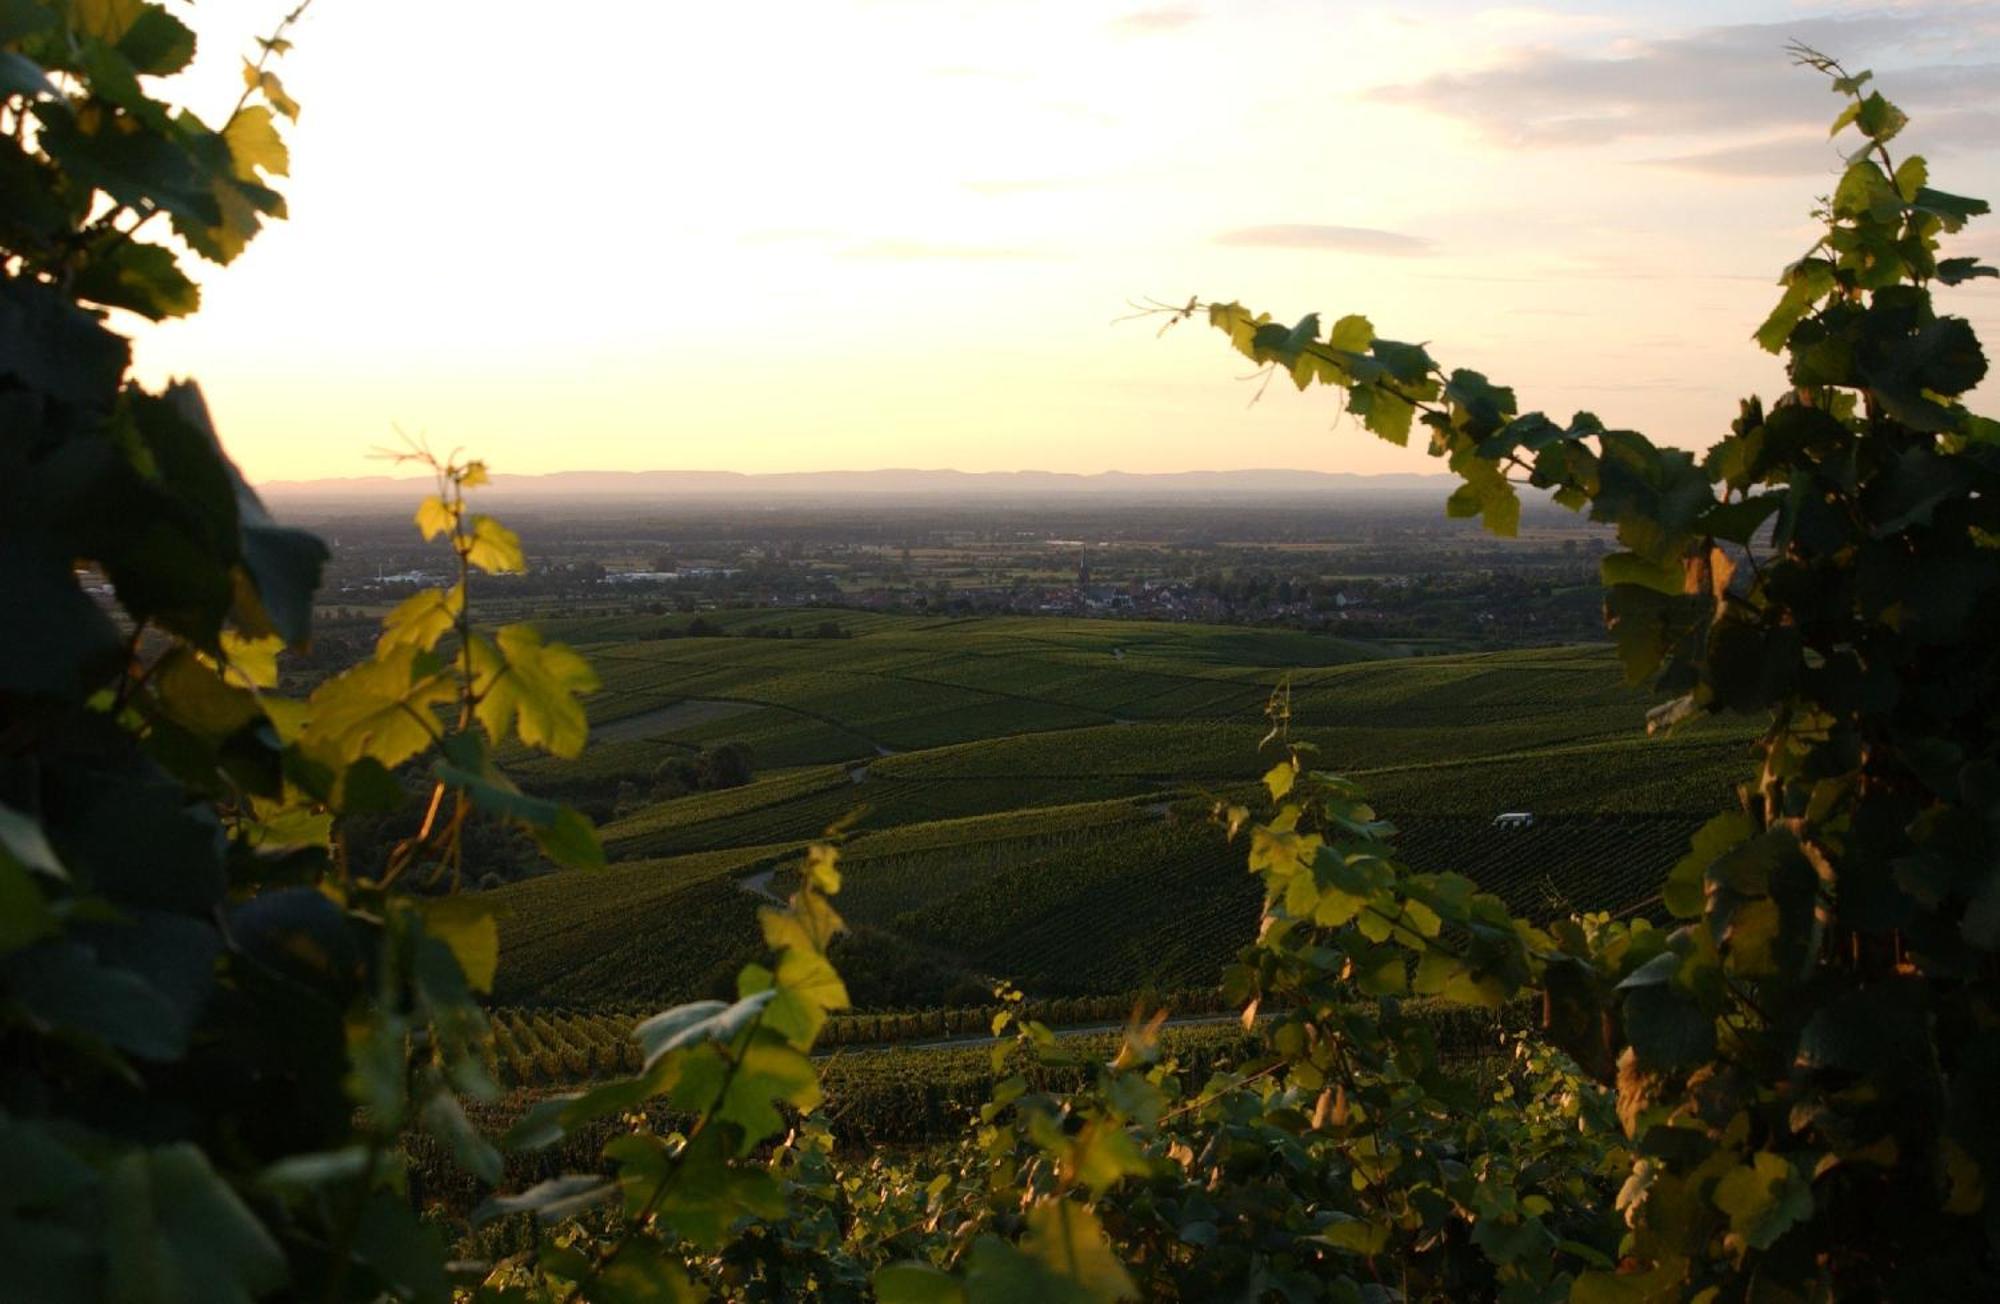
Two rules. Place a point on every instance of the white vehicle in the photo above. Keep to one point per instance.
(1514, 819)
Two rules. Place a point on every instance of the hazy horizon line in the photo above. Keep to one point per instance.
(388, 479)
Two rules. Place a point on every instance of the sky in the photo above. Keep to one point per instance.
(850, 234)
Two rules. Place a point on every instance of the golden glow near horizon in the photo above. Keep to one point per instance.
(802, 236)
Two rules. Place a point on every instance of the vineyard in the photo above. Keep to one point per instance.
(1702, 1018)
(1027, 800)
(559, 1047)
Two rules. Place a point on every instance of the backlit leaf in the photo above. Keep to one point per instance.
(531, 687)
(495, 549)
(468, 928)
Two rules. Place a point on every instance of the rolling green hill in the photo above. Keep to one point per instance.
(1021, 793)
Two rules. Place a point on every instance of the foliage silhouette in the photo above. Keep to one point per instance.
(218, 1033)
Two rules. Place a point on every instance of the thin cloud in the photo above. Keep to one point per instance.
(1344, 239)
(1145, 22)
(906, 251)
(1784, 156)
(1936, 132)
(1719, 79)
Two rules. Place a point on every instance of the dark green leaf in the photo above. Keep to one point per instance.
(141, 278)
(177, 1234)
(1954, 211)
(1952, 271)
(157, 43)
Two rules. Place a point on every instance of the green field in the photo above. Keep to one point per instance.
(1025, 799)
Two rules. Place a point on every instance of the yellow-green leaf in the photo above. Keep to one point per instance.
(379, 708)
(434, 517)
(809, 925)
(251, 662)
(271, 88)
(495, 549)
(916, 1283)
(808, 987)
(255, 146)
(107, 20)
(1763, 1198)
(467, 927)
(423, 618)
(1103, 1154)
(770, 1073)
(1068, 1239)
(531, 686)
(1356, 1235)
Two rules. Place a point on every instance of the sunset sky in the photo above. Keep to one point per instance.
(872, 233)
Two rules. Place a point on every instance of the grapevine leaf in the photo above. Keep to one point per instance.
(1878, 119)
(405, 1253)
(1351, 334)
(444, 1118)
(808, 987)
(319, 1169)
(108, 20)
(255, 147)
(1631, 568)
(1064, 1259)
(142, 278)
(1953, 211)
(1304, 333)
(24, 913)
(1763, 1199)
(379, 708)
(1486, 493)
(157, 44)
(273, 90)
(145, 1012)
(1910, 176)
(20, 75)
(808, 926)
(1806, 282)
(434, 518)
(1686, 887)
(768, 1073)
(552, 1201)
(495, 549)
(1387, 414)
(570, 840)
(1953, 271)
(916, 1283)
(423, 618)
(468, 928)
(23, 843)
(177, 1234)
(1668, 1030)
(1409, 364)
(532, 686)
(1355, 1235)
(697, 1021)
(639, 1274)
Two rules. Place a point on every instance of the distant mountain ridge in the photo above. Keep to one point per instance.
(888, 482)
